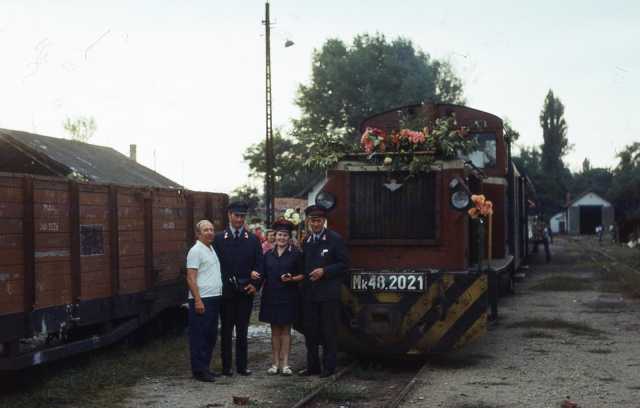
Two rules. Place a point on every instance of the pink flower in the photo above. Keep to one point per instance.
(416, 137)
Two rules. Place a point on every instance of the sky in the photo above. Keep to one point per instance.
(185, 80)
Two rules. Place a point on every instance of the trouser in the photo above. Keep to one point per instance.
(203, 333)
(545, 243)
(235, 312)
(321, 328)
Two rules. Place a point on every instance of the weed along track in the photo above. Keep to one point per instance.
(614, 269)
(366, 385)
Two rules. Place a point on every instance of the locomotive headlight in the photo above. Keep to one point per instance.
(326, 200)
(460, 200)
(460, 195)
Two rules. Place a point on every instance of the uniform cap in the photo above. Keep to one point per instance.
(315, 211)
(238, 207)
(282, 225)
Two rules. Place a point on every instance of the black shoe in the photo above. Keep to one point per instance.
(204, 377)
(227, 373)
(308, 373)
(326, 374)
(244, 372)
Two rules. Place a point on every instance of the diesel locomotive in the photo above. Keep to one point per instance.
(424, 276)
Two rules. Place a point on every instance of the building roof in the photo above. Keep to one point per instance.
(84, 161)
(588, 195)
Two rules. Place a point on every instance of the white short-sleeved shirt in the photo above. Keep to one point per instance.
(204, 259)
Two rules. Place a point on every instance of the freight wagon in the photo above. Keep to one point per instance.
(85, 263)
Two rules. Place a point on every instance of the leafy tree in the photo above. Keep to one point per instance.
(291, 174)
(509, 132)
(350, 83)
(529, 161)
(586, 165)
(625, 186)
(555, 146)
(554, 133)
(81, 128)
(248, 194)
(593, 179)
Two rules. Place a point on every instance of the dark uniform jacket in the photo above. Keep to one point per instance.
(329, 253)
(276, 291)
(238, 257)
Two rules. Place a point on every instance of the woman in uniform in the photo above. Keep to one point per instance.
(279, 304)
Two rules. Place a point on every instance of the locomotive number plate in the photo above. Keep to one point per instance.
(387, 282)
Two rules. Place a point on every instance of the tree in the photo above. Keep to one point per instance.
(291, 174)
(554, 134)
(552, 190)
(350, 83)
(81, 128)
(528, 160)
(509, 132)
(625, 186)
(248, 194)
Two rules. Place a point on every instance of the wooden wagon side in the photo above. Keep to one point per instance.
(84, 264)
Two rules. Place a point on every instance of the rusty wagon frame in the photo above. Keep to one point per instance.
(83, 264)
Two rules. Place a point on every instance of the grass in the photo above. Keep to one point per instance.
(575, 328)
(100, 378)
(563, 284)
(537, 334)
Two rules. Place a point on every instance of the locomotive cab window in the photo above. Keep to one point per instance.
(484, 154)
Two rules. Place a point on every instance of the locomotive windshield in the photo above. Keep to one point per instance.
(484, 155)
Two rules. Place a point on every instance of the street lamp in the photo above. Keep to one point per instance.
(269, 182)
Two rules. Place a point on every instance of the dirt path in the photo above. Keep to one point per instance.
(262, 389)
(567, 332)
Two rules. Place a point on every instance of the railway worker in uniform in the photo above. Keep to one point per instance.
(279, 305)
(540, 236)
(205, 291)
(241, 258)
(325, 263)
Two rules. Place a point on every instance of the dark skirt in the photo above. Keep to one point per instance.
(280, 313)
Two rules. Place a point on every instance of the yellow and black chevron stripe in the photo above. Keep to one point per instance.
(451, 313)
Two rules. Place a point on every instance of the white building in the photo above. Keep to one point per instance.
(558, 223)
(588, 211)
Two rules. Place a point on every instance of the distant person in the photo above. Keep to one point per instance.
(205, 291)
(267, 245)
(599, 233)
(241, 258)
(257, 231)
(325, 263)
(540, 236)
(612, 232)
(280, 296)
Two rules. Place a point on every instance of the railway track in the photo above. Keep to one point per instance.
(628, 276)
(354, 386)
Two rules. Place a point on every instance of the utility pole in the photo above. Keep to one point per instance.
(269, 182)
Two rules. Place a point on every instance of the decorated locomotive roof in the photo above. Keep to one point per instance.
(24, 152)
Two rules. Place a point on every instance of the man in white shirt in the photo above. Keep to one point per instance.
(205, 292)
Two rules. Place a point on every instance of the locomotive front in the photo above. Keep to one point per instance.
(414, 286)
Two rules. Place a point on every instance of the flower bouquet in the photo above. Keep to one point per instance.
(417, 149)
(482, 211)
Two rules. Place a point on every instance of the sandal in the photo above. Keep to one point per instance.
(273, 370)
(286, 370)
